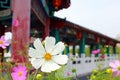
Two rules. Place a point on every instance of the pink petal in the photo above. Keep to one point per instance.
(117, 62)
(6, 43)
(2, 38)
(112, 64)
(3, 46)
(98, 50)
(114, 69)
(94, 52)
(116, 73)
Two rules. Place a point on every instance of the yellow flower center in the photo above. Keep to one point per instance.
(47, 56)
(20, 73)
(109, 71)
(1, 42)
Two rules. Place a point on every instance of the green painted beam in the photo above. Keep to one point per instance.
(97, 47)
(82, 45)
(5, 4)
(114, 50)
(66, 49)
(55, 33)
(6, 17)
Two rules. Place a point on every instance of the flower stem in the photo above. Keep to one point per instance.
(35, 74)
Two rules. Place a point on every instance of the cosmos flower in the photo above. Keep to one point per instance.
(19, 73)
(3, 42)
(96, 51)
(115, 67)
(49, 56)
(68, 73)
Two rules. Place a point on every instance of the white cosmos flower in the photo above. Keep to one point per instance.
(49, 56)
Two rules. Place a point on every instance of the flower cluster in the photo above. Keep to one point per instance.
(45, 59)
(111, 73)
(115, 67)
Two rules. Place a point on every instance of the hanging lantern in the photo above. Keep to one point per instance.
(56, 4)
(79, 35)
(97, 40)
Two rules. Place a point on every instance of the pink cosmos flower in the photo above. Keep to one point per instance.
(115, 66)
(96, 51)
(19, 72)
(68, 73)
(3, 42)
(16, 23)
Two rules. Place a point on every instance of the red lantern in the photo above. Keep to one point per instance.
(56, 4)
(79, 35)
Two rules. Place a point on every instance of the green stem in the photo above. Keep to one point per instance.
(35, 74)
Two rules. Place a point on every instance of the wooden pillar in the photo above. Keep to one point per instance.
(20, 32)
(108, 47)
(73, 49)
(55, 33)
(97, 47)
(82, 45)
(108, 50)
(66, 51)
(91, 47)
(114, 49)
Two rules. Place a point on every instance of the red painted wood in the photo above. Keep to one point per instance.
(79, 35)
(57, 23)
(46, 29)
(20, 42)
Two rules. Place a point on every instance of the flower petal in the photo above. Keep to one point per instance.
(114, 69)
(112, 64)
(38, 45)
(34, 53)
(2, 38)
(3, 46)
(49, 66)
(49, 43)
(36, 63)
(59, 47)
(116, 73)
(60, 59)
(117, 62)
(6, 43)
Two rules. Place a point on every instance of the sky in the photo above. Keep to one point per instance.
(102, 16)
